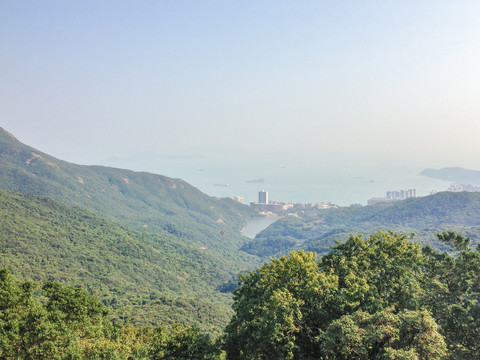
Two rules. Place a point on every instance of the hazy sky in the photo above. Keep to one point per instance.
(374, 81)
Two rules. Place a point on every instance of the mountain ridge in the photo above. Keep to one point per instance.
(146, 201)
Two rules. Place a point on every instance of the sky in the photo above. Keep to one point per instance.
(368, 82)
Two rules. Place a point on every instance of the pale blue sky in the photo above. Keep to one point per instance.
(373, 81)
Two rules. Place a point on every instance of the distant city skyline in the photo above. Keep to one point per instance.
(338, 84)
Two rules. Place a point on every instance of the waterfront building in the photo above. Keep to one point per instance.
(394, 196)
(238, 199)
(402, 194)
(263, 197)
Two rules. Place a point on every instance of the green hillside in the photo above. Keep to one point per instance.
(425, 216)
(144, 201)
(146, 278)
(154, 248)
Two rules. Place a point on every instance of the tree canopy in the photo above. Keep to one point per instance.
(383, 297)
(62, 322)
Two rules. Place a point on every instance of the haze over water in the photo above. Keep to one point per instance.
(293, 180)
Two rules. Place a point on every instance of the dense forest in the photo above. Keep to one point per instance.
(143, 277)
(383, 297)
(63, 322)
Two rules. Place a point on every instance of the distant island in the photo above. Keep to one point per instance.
(454, 174)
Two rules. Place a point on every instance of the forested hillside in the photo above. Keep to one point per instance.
(154, 248)
(120, 257)
(425, 216)
(145, 278)
(143, 201)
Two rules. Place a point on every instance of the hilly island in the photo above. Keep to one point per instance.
(106, 263)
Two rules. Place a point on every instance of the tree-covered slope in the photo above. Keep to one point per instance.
(144, 201)
(146, 278)
(425, 216)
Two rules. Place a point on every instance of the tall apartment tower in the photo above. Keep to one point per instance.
(263, 197)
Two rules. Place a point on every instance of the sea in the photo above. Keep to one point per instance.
(285, 179)
(256, 225)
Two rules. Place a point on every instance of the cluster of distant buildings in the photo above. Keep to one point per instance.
(464, 187)
(460, 188)
(274, 206)
(266, 205)
(411, 193)
(394, 196)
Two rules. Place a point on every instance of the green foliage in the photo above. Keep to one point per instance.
(411, 335)
(453, 294)
(365, 299)
(276, 307)
(62, 322)
(182, 344)
(146, 278)
(382, 271)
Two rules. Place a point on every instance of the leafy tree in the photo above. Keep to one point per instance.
(13, 305)
(65, 322)
(409, 335)
(278, 309)
(75, 307)
(361, 301)
(453, 294)
(182, 344)
(383, 271)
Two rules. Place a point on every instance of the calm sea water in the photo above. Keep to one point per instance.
(256, 225)
(295, 181)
